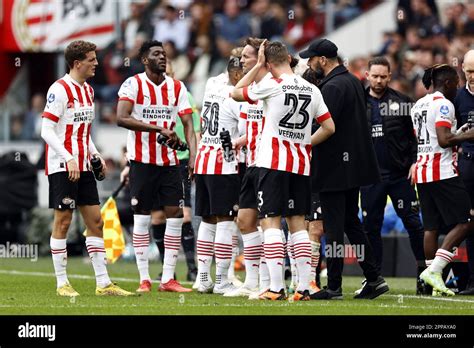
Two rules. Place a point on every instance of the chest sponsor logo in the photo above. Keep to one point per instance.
(83, 115)
(158, 113)
(254, 114)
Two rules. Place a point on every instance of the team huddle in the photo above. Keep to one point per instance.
(252, 168)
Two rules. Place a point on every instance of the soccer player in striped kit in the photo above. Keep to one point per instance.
(217, 182)
(66, 129)
(255, 265)
(443, 196)
(284, 160)
(149, 103)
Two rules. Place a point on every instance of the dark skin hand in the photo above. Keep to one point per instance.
(190, 136)
(125, 120)
(448, 139)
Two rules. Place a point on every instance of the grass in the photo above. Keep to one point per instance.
(29, 288)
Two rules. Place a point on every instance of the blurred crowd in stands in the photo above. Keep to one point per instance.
(199, 35)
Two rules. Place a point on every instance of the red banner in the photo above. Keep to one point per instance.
(49, 25)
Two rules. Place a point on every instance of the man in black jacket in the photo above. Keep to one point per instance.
(344, 162)
(464, 104)
(388, 116)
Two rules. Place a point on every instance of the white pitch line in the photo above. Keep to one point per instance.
(83, 276)
(73, 276)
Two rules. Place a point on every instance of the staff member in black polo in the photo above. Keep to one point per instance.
(343, 163)
(388, 115)
(464, 106)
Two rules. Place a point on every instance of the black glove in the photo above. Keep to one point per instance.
(179, 146)
(229, 153)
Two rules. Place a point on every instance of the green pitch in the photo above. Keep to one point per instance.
(29, 288)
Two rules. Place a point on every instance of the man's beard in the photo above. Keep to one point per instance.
(319, 73)
(379, 89)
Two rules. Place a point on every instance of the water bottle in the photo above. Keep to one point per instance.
(179, 146)
(96, 165)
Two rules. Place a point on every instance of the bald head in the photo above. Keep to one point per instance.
(469, 56)
(468, 68)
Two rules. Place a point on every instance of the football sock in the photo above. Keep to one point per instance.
(442, 258)
(291, 254)
(172, 244)
(205, 249)
(96, 250)
(223, 250)
(252, 250)
(273, 247)
(264, 281)
(141, 241)
(235, 250)
(315, 246)
(59, 254)
(302, 251)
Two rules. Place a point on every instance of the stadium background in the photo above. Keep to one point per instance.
(411, 34)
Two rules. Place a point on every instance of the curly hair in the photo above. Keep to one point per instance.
(147, 45)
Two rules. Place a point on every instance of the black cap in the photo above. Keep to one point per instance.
(319, 48)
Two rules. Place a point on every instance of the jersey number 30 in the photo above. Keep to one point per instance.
(210, 118)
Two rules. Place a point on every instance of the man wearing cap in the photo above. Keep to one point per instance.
(344, 162)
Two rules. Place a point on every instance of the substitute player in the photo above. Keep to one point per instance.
(284, 157)
(66, 128)
(443, 196)
(149, 103)
(217, 182)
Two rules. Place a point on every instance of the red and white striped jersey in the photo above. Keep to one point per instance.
(242, 153)
(434, 163)
(71, 106)
(219, 111)
(289, 104)
(253, 114)
(157, 105)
